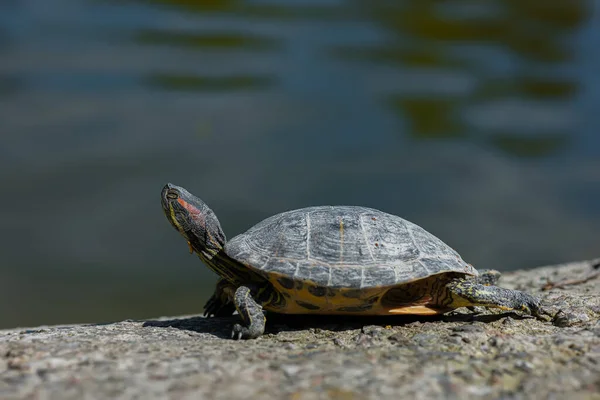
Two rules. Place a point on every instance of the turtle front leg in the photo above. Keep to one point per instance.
(220, 304)
(465, 293)
(251, 313)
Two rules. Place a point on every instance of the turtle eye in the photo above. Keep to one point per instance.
(172, 195)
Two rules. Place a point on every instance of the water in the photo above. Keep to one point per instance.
(477, 121)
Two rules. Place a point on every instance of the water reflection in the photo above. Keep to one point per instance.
(223, 41)
(436, 36)
(205, 83)
(530, 147)
(509, 50)
(191, 40)
(281, 11)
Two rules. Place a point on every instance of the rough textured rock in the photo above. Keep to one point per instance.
(462, 355)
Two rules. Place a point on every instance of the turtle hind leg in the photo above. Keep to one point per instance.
(465, 293)
(488, 277)
(250, 312)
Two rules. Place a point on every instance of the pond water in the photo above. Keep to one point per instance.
(476, 120)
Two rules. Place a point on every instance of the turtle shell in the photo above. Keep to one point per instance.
(343, 247)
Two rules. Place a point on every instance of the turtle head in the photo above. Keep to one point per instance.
(196, 222)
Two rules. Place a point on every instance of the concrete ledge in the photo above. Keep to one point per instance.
(462, 355)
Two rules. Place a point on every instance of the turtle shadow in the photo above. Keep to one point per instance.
(217, 326)
(221, 326)
(282, 322)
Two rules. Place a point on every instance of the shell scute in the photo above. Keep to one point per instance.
(303, 271)
(390, 240)
(435, 265)
(320, 274)
(429, 244)
(335, 237)
(283, 235)
(410, 271)
(379, 276)
(348, 277)
(281, 266)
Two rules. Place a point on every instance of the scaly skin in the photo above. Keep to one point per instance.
(251, 313)
(468, 292)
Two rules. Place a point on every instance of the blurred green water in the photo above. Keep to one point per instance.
(475, 120)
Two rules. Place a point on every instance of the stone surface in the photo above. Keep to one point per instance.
(461, 355)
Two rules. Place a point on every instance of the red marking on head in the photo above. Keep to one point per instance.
(195, 213)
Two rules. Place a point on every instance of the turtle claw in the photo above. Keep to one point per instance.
(532, 306)
(241, 332)
(544, 314)
(238, 332)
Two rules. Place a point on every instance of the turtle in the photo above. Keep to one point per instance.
(347, 260)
